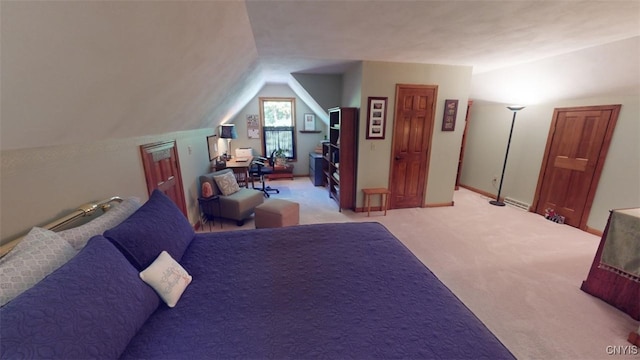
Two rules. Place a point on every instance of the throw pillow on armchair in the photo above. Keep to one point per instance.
(207, 190)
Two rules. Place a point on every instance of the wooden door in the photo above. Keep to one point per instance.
(162, 171)
(576, 149)
(412, 131)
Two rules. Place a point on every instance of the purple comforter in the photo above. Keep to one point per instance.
(347, 290)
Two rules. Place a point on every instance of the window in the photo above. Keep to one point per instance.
(278, 116)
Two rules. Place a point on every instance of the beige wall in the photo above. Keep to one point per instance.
(487, 139)
(41, 184)
(379, 79)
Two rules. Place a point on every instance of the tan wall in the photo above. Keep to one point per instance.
(374, 156)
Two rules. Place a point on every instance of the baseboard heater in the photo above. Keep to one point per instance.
(517, 203)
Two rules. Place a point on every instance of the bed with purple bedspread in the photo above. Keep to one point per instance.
(348, 290)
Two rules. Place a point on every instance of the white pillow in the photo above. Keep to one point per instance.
(167, 278)
(227, 183)
(37, 255)
(79, 236)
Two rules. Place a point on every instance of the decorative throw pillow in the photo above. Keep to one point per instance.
(37, 255)
(79, 236)
(207, 191)
(157, 225)
(167, 278)
(227, 183)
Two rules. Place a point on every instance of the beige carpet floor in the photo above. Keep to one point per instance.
(519, 273)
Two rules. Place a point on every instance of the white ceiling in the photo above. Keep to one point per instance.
(520, 51)
(129, 68)
(484, 34)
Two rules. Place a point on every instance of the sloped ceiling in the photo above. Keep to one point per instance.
(83, 71)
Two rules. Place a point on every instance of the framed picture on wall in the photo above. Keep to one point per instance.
(212, 146)
(309, 122)
(253, 126)
(376, 117)
(449, 117)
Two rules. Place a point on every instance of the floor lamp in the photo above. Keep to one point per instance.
(497, 201)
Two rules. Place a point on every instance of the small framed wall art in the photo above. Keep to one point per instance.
(376, 117)
(253, 126)
(212, 146)
(450, 112)
(309, 122)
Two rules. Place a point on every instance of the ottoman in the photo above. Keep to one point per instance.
(277, 213)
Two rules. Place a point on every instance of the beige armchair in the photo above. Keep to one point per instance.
(237, 206)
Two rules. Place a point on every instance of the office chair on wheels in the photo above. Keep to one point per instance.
(258, 170)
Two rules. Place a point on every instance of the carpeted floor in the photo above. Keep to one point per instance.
(519, 273)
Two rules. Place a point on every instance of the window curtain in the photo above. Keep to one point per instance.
(279, 137)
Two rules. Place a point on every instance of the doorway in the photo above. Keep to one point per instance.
(463, 144)
(162, 171)
(411, 144)
(576, 149)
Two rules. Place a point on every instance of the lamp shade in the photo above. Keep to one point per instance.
(228, 131)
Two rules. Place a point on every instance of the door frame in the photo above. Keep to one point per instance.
(463, 143)
(615, 110)
(427, 137)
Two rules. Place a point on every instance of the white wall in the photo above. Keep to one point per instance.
(619, 185)
(85, 83)
(326, 89)
(40, 184)
(352, 86)
(79, 71)
(486, 144)
(305, 142)
(542, 86)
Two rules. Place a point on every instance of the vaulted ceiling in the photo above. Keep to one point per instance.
(83, 71)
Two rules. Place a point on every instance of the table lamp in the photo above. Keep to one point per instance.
(228, 131)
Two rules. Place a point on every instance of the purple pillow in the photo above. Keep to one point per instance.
(156, 226)
(89, 308)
